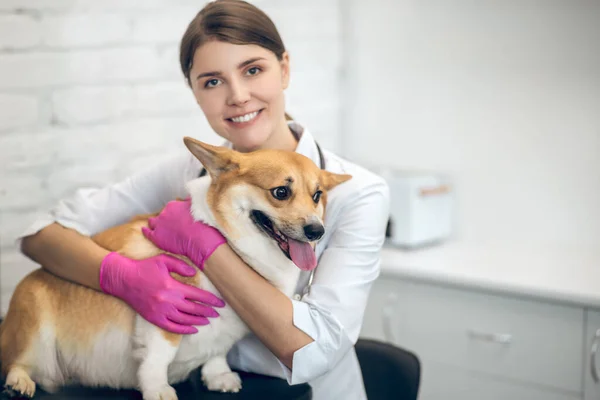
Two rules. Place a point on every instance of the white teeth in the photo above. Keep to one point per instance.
(245, 118)
(279, 234)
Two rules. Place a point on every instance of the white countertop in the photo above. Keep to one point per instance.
(560, 274)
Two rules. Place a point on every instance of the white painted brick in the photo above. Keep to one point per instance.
(18, 110)
(153, 135)
(18, 32)
(134, 164)
(41, 150)
(168, 56)
(135, 5)
(108, 143)
(85, 30)
(15, 267)
(91, 104)
(12, 5)
(163, 98)
(164, 26)
(79, 67)
(93, 5)
(21, 190)
(130, 94)
(63, 181)
(28, 150)
(13, 272)
(12, 225)
(85, 144)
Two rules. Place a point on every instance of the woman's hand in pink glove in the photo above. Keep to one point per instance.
(149, 289)
(175, 231)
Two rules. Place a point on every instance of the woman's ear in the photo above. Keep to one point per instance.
(285, 70)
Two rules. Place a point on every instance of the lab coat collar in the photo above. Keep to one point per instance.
(307, 146)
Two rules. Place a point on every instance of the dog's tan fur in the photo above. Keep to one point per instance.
(80, 314)
(42, 296)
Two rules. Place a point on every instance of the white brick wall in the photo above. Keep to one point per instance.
(18, 110)
(82, 81)
(18, 32)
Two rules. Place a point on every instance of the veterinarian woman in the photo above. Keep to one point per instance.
(237, 67)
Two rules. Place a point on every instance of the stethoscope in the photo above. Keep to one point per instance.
(306, 289)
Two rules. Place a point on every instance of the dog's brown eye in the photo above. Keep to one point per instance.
(317, 196)
(281, 192)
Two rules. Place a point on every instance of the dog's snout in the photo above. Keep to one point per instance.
(314, 231)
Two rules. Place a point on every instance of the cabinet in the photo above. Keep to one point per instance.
(591, 356)
(481, 345)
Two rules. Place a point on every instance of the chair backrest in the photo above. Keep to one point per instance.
(389, 372)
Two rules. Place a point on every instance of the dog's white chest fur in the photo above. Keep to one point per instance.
(256, 249)
(149, 359)
(210, 345)
(150, 362)
(265, 233)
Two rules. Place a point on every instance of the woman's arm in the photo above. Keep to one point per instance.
(66, 253)
(317, 332)
(267, 311)
(61, 241)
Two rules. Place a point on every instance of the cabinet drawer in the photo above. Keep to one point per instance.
(443, 382)
(514, 338)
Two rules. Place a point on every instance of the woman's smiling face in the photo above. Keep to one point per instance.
(240, 89)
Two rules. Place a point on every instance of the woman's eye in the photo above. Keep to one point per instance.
(317, 196)
(281, 192)
(253, 71)
(212, 83)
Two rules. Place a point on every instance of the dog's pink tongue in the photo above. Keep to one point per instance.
(302, 254)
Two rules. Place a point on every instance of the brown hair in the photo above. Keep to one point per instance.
(231, 21)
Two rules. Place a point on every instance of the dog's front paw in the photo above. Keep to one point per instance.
(19, 384)
(163, 393)
(227, 382)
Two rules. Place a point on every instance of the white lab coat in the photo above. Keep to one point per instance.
(348, 263)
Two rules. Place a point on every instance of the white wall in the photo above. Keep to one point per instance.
(503, 95)
(90, 91)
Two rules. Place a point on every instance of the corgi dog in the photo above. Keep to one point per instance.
(270, 206)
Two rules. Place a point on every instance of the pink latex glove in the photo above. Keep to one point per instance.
(175, 231)
(160, 299)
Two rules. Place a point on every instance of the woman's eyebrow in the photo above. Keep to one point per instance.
(219, 73)
(211, 73)
(250, 61)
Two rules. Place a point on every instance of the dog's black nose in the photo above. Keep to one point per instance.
(314, 231)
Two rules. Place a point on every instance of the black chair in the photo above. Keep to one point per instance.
(254, 387)
(389, 372)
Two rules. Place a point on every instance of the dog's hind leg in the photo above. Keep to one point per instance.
(156, 349)
(19, 336)
(28, 338)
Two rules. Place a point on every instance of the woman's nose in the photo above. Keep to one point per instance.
(238, 94)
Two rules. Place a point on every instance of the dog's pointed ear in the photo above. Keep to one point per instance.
(216, 159)
(331, 180)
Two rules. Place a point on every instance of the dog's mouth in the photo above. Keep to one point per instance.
(300, 253)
